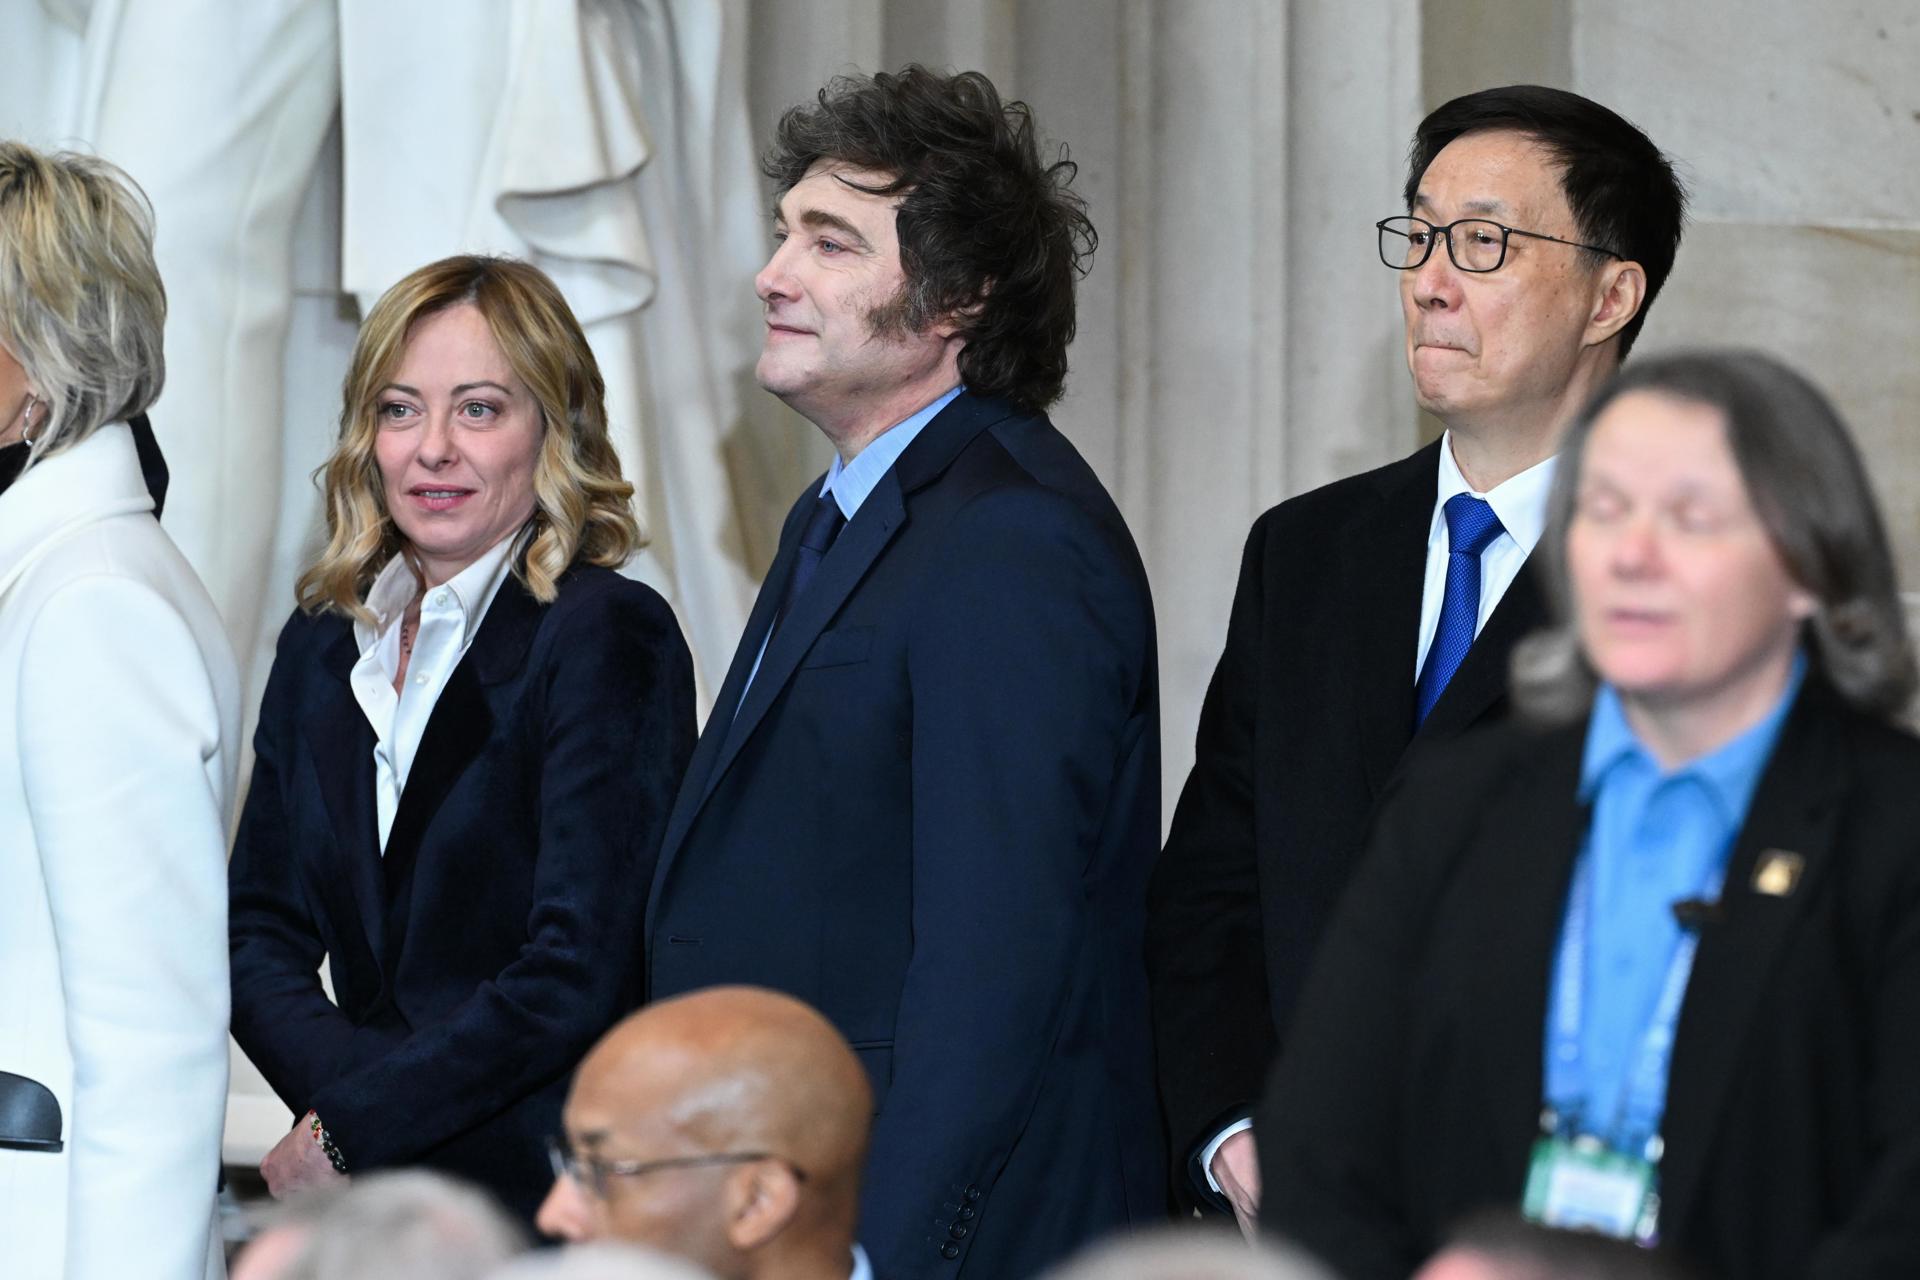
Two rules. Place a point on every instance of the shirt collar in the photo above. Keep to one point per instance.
(1728, 774)
(465, 595)
(1519, 501)
(851, 482)
(862, 1269)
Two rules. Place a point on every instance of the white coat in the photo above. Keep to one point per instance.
(119, 740)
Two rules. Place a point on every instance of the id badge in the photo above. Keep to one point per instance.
(1582, 1185)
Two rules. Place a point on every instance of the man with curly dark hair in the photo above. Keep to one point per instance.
(927, 802)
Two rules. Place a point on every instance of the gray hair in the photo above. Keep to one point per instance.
(81, 304)
(1175, 1253)
(601, 1261)
(1811, 493)
(407, 1225)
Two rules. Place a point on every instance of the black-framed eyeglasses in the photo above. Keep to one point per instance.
(1474, 244)
(592, 1173)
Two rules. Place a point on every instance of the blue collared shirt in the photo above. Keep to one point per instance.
(1654, 839)
(851, 482)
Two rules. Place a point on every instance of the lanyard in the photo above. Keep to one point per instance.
(1635, 1122)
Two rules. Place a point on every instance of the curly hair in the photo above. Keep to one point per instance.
(990, 236)
(582, 504)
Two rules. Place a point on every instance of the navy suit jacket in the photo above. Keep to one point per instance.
(933, 819)
(476, 962)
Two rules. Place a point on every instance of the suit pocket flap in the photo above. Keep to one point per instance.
(839, 647)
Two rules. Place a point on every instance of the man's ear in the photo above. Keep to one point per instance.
(1620, 291)
(761, 1200)
(951, 323)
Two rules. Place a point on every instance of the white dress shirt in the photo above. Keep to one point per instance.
(862, 1269)
(1521, 504)
(450, 617)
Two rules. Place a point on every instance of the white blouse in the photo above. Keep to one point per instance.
(450, 617)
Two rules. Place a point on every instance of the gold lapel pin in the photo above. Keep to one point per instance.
(1778, 873)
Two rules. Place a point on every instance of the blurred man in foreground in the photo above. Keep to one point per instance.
(727, 1126)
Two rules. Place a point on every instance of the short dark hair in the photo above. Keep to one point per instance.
(990, 237)
(1808, 486)
(1623, 191)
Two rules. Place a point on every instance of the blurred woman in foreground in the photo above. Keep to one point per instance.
(1653, 971)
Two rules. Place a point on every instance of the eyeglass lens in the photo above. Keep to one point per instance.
(1474, 244)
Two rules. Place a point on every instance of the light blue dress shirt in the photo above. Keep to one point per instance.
(851, 482)
(1654, 839)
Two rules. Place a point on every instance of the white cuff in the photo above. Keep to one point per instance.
(1212, 1148)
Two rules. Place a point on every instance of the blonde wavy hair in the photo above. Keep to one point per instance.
(582, 504)
(81, 304)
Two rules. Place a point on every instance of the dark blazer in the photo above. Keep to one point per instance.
(476, 962)
(1305, 721)
(933, 819)
(1411, 1090)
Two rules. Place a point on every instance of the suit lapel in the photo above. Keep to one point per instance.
(840, 571)
(1390, 562)
(456, 733)
(853, 554)
(1796, 808)
(342, 744)
(700, 766)
(1523, 898)
(1483, 675)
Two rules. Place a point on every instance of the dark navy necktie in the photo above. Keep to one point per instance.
(1471, 529)
(823, 525)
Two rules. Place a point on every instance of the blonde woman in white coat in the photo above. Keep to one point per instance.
(119, 733)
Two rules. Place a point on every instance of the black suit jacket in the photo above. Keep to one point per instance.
(1411, 1090)
(1306, 720)
(933, 819)
(477, 961)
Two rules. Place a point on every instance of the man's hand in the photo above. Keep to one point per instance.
(297, 1163)
(1236, 1168)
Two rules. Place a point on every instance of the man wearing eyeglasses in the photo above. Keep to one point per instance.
(727, 1127)
(1383, 608)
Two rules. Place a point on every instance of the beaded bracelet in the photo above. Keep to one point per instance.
(325, 1139)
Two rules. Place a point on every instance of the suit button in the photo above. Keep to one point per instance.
(966, 1214)
(949, 1251)
(972, 1193)
(958, 1231)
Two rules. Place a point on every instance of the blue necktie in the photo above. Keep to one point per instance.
(1471, 528)
(823, 525)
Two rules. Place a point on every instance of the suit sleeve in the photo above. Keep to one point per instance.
(282, 1017)
(1025, 668)
(1330, 1130)
(1213, 1022)
(618, 728)
(119, 725)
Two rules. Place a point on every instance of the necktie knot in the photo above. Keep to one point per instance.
(823, 524)
(1471, 524)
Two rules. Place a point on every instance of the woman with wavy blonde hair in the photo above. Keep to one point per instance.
(469, 742)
